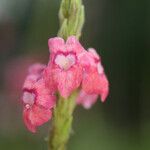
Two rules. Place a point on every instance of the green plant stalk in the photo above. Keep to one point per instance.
(71, 17)
(62, 122)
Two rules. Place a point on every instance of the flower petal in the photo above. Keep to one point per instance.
(86, 60)
(47, 101)
(72, 44)
(67, 81)
(94, 83)
(104, 86)
(36, 116)
(45, 97)
(56, 44)
(87, 100)
(36, 68)
(48, 78)
(29, 82)
(94, 79)
(93, 53)
(39, 115)
(27, 121)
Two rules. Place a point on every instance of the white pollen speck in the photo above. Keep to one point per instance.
(27, 106)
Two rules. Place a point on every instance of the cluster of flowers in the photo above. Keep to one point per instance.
(71, 67)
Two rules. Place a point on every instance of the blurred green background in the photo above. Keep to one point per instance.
(120, 31)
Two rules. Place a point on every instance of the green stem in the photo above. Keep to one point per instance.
(71, 17)
(62, 122)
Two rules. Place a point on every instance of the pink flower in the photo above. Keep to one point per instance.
(64, 65)
(87, 100)
(37, 99)
(94, 79)
(70, 67)
(37, 69)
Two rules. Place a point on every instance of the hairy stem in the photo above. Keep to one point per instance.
(71, 17)
(62, 122)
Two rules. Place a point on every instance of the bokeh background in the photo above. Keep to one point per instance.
(120, 31)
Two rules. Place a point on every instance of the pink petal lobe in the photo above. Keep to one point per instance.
(27, 121)
(36, 116)
(104, 87)
(69, 80)
(87, 100)
(56, 44)
(94, 78)
(49, 81)
(45, 98)
(36, 68)
(93, 53)
(94, 83)
(86, 60)
(72, 44)
(39, 115)
(29, 82)
(47, 101)
(90, 82)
